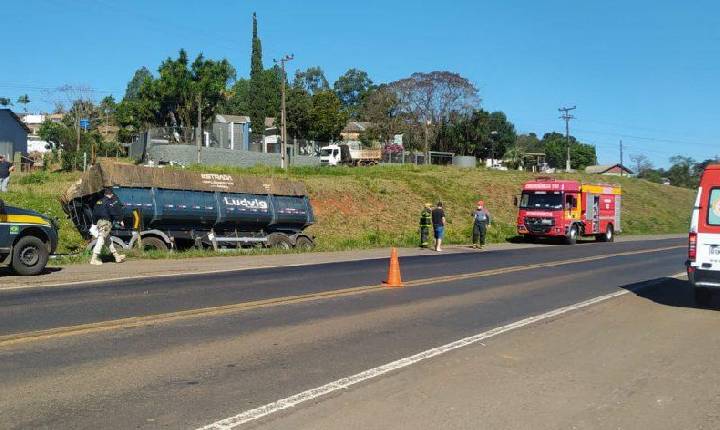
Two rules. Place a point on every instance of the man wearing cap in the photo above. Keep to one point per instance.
(107, 211)
(425, 224)
(481, 219)
(6, 168)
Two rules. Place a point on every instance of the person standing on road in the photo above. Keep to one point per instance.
(107, 212)
(438, 222)
(425, 225)
(481, 220)
(6, 168)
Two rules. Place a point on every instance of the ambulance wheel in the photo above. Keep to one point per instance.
(608, 236)
(703, 296)
(30, 255)
(151, 243)
(304, 243)
(571, 238)
(279, 240)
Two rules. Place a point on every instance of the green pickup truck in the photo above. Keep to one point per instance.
(27, 239)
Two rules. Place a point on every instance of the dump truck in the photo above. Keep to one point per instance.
(568, 210)
(333, 155)
(167, 208)
(27, 239)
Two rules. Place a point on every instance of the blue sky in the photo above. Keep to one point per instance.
(641, 71)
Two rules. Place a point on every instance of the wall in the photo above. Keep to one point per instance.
(13, 138)
(186, 154)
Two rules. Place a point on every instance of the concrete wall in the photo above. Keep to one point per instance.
(186, 154)
(464, 161)
(13, 137)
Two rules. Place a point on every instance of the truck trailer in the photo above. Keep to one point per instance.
(569, 209)
(172, 208)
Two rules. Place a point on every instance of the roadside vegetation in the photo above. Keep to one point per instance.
(380, 206)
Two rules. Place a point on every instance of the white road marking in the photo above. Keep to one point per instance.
(344, 383)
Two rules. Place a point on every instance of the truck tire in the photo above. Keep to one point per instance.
(29, 256)
(608, 236)
(304, 243)
(703, 296)
(571, 238)
(279, 240)
(152, 243)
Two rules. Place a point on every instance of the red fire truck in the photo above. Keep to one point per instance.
(569, 209)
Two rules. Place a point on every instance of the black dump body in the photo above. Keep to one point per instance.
(214, 205)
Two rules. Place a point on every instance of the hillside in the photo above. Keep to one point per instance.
(380, 206)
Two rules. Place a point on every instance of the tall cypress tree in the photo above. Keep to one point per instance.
(256, 65)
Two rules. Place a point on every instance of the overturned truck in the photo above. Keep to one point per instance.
(169, 208)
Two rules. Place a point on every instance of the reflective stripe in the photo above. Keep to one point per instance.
(23, 219)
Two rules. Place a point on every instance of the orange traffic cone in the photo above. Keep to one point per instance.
(393, 278)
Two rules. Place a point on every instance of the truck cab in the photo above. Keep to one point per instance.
(330, 155)
(568, 210)
(703, 263)
(27, 239)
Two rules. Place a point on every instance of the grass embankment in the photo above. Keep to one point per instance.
(380, 206)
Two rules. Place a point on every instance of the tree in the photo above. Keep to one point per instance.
(326, 116)
(641, 163)
(683, 172)
(351, 88)
(311, 80)
(256, 63)
(555, 148)
(24, 100)
(380, 107)
(264, 97)
(140, 78)
(299, 109)
(427, 98)
(107, 110)
(5, 102)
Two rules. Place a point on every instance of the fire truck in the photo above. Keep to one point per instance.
(568, 209)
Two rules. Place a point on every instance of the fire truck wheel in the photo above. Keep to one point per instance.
(571, 238)
(608, 236)
(703, 296)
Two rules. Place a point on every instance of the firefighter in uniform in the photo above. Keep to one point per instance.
(481, 219)
(425, 225)
(107, 211)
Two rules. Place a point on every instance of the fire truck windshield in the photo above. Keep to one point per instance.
(541, 200)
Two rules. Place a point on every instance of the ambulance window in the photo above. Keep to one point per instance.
(714, 207)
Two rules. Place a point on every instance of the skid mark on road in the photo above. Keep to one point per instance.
(344, 383)
(142, 321)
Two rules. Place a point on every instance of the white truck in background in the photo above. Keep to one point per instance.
(334, 155)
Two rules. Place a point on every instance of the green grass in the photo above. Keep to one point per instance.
(380, 206)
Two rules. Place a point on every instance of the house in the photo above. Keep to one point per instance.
(353, 129)
(13, 134)
(611, 169)
(232, 131)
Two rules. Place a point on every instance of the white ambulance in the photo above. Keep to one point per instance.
(703, 265)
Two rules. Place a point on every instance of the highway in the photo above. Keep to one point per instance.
(186, 352)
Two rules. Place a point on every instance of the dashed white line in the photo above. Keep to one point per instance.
(344, 383)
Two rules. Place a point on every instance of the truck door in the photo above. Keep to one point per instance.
(591, 212)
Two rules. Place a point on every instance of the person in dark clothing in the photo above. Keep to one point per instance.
(6, 168)
(438, 221)
(481, 220)
(425, 224)
(107, 211)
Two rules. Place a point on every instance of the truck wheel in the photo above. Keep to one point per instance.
(279, 240)
(608, 236)
(304, 243)
(571, 238)
(703, 296)
(30, 255)
(152, 243)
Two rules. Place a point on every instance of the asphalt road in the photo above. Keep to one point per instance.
(184, 352)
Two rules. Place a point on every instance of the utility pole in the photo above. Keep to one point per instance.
(283, 122)
(567, 117)
(198, 130)
(621, 158)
